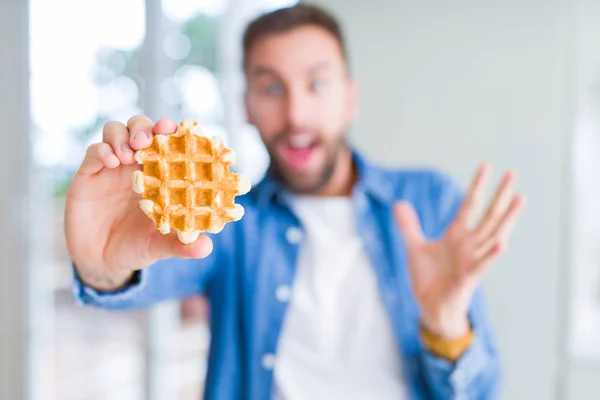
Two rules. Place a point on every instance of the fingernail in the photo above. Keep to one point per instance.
(125, 148)
(141, 136)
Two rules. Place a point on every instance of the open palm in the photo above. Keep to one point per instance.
(445, 272)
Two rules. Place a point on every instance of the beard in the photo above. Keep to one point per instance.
(309, 182)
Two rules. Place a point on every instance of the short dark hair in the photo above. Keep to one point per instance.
(286, 19)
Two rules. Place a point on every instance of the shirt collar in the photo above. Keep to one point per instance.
(371, 180)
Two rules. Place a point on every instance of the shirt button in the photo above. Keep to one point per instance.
(268, 361)
(283, 293)
(293, 235)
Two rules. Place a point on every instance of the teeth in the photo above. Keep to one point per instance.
(300, 141)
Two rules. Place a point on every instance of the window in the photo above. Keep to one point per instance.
(108, 60)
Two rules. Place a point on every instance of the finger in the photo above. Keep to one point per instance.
(165, 127)
(409, 223)
(140, 132)
(488, 258)
(167, 246)
(498, 207)
(98, 156)
(504, 227)
(117, 135)
(472, 203)
(507, 224)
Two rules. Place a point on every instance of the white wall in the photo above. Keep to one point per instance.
(452, 83)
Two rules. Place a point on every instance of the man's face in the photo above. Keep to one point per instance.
(301, 100)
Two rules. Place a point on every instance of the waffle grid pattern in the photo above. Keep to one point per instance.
(186, 183)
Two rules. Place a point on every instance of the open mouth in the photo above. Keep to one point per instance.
(297, 150)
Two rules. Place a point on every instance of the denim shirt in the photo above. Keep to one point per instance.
(255, 256)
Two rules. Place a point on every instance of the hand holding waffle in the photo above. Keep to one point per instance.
(109, 236)
(445, 272)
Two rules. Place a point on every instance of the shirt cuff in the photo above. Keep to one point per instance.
(455, 377)
(84, 294)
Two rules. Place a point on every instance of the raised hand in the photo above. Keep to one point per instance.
(446, 271)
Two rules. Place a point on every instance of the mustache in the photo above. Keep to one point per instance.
(288, 131)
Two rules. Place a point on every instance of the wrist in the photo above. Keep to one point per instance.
(103, 279)
(446, 326)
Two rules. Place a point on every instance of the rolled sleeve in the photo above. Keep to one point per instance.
(469, 378)
(476, 375)
(119, 299)
(167, 279)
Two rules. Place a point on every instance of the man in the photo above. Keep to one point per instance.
(342, 280)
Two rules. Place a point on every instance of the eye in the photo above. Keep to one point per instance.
(317, 85)
(274, 89)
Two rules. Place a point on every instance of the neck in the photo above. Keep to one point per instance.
(343, 178)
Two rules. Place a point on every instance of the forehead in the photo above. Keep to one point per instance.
(295, 51)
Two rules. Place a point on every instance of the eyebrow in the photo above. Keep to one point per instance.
(262, 70)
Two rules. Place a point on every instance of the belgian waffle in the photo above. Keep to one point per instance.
(186, 183)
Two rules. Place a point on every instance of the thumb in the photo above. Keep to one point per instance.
(167, 246)
(409, 223)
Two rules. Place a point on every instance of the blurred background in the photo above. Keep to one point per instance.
(443, 83)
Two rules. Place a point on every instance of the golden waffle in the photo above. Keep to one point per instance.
(186, 183)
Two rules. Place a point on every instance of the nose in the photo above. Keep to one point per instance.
(299, 106)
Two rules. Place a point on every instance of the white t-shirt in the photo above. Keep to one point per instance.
(337, 341)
